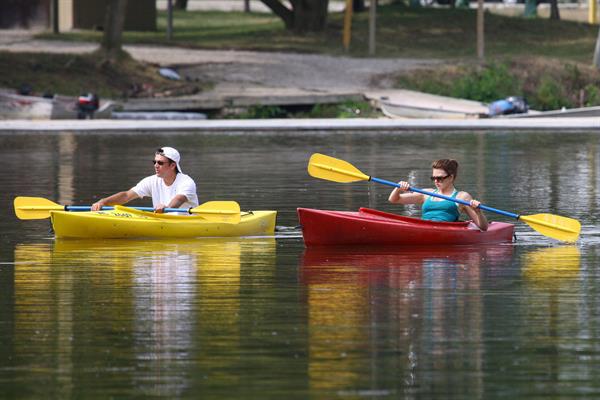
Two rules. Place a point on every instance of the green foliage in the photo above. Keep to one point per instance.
(549, 95)
(486, 84)
(263, 112)
(546, 85)
(348, 109)
(592, 95)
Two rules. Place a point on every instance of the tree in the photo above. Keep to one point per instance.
(111, 47)
(597, 52)
(554, 14)
(181, 4)
(358, 5)
(303, 16)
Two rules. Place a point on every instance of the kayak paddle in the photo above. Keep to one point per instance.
(336, 170)
(39, 208)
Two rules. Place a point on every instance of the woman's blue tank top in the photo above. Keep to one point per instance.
(444, 210)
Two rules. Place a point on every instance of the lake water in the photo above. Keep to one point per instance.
(267, 318)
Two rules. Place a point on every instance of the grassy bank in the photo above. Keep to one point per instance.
(72, 75)
(401, 32)
(546, 84)
(546, 61)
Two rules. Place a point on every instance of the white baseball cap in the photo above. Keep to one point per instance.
(171, 154)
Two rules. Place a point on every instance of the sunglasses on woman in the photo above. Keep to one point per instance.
(438, 178)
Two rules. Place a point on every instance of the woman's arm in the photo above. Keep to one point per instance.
(473, 211)
(400, 195)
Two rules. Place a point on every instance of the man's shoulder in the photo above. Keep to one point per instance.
(181, 177)
(147, 180)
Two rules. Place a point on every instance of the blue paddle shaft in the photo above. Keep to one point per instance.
(88, 208)
(441, 196)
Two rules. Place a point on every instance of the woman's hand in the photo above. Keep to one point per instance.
(404, 186)
(476, 214)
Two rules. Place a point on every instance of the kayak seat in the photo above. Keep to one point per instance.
(409, 220)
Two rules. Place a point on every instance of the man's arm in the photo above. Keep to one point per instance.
(117, 198)
(175, 202)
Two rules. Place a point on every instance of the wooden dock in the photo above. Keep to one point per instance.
(241, 98)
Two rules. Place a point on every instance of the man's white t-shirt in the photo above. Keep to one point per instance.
(155, 187)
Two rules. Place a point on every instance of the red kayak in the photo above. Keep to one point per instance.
(372, 227)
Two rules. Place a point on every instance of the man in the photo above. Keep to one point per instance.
(169, 187)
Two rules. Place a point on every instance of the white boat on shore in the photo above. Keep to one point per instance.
(16, 106)
(393, 110)
(402, 103)
(562, 113)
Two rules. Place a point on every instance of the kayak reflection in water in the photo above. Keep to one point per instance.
(435, 209)
(169, 187)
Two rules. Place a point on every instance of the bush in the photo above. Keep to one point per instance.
(263, 112)
(487, 84)
(549, 95)
(591, 95)
(545, 85)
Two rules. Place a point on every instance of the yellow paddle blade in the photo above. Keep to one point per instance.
(333, 169)
(34, 207)
(554, 226)
(219, 211)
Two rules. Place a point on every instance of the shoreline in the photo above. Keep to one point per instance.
(579, 124)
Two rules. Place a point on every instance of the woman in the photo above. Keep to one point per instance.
(436, 209)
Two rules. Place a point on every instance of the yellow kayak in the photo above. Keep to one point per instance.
(125, 222)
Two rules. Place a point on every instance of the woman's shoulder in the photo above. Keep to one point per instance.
(430, 190)
(464, 195)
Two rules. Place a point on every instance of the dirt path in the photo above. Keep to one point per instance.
(244, 68)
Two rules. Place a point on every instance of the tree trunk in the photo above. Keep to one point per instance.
(111, 46)
(181, 4)
(554, 14)
(304, 16)
(286, 15)
(309, 15)
(597, 52)
(358, 5)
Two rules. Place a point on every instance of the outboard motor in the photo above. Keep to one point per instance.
(87, 104)
(519, 104)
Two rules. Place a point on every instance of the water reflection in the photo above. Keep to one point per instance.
(156, 307)
(559, 324)
(111, 319)
(67, 148)
(401, 267)
(552, 267)
(415, 298)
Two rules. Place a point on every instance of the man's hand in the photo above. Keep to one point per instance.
(97, 206)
